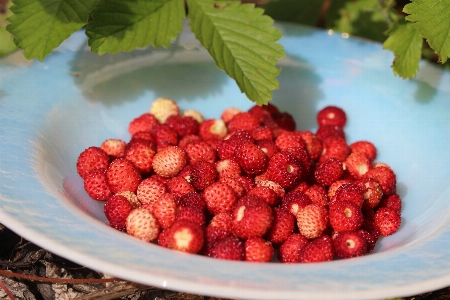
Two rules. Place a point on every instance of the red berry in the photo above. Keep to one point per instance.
(252, 217)
(251, 158)
(285, 169)
(289, 251)
(345, 216)
(235, 184)
(262, 133)
(228, 113)
(116, 209)
(385, 177)
(334, 147)
(122, 175)
(90, 159)
(165, 209)
(387, 220)
(141, 152)
(258, 250)
(219, 197)
(213, 234)
(284, 120)
(290, 139)
(96, 185)
(312, 220)
(327, 131)
(265, 193)
(228, 248)
(314, 145)
(150, 189)
(143, 123)
(228, 168)
(317, 194)
(351, 192)
(213, 129)
(282, 227)
(243, 121)
(369, 238)
(170, 161)
(365, 147)
(372, 192)
(329, 171)
(200, 151)
(115, 148)
(223, 220)
(349, 244)
(278, 189)
(162, 134)
(194, 200)
(318, 250)
(392, 201)
(331, 115)
(179, 186)
(186, 236)
(267, 146)
(357, 164)
(203, 174)
(294, 201)
(183, 125)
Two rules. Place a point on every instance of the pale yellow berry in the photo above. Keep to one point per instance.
(162, 108)
(131, 197)
(141, 224)
(194, 114)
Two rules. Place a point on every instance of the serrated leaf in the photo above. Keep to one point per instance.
(39, 26)
(6, 40)
(406, 44)
(432, 19)
(242, 41)
(123, 25)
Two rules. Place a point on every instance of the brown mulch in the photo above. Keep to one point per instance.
(32, 273)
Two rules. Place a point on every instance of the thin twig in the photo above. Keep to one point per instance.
(7, 291)
(58, 280)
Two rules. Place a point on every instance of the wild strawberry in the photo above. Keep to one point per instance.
(351, 192)
(331, 115)
(141, 224)
(223, 220)
(303, 156)
(194, 200)
(329, 171)
(262, 133)
(251, 158)
(143, 123)
(162, 108)
(370, 240)
(345, 216)
(370, 226)
(116, 209)
(141, 152)
(179, 186)
(258, 250)
(219, 198)
(289, 251)
(349, 244)
(162, 134)
(265, 193)
(213, 234)
(267, 146)
(200, 150)
(170, 161)
(115, 148)
(228, 113)
(312, 220)
(365, 147)
(182, 143)
(357, 164)
(392, 201)
(290, 139)
(261, 112)
(185, 236)
(387, 220)
(194, 114)
(314, 145)
(131, 197)
(203, 174)
(164, 209)
(285, 169)
(150, 189)
(252, 217)
(334, 147)
(96, 185)
(228, 248)
(243, 121)
(284, 121)
(385, 177)
(317, 194)
(234, 183)
(183, 125)
(247, 182)
(318, 250)
(145, 135)
(334, 186)
(327, 131)
(294, 201)
(282, 227)
(225, 148)
(213, 129)
(162, 238)
(122, 175)
(90, 159)
(278, 189)
(372, 192)
(228, 168)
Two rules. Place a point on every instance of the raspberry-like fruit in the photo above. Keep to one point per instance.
(318, 250)
(116, 209)
(331, 115)
(219, 197)
(365, 147)
(228, 248)
(385, 177)
(251, 158)
(122, 175)
(203, 174)
(289, 251)
(285, 169)
(165, 209)
(141, 152)
(96, 185)
(312, 220)
(115, 148)
(186, 236)
(282, 227)
(170, 161)
(143, 123)
(329, 171)
(349, 244)
(150, 189)
(200, 151)
(387, 220)
(258, 250)
(345, 216)
(90, 159)
(141, 224)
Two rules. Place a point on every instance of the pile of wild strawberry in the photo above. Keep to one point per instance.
(245, 186)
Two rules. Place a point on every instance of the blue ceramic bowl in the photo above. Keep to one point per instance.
(51, 111)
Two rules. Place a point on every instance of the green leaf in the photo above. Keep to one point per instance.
(6, 40)
(406, 44)
(432, 19)
(39, 26)
(242, 41)
(123, 25)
